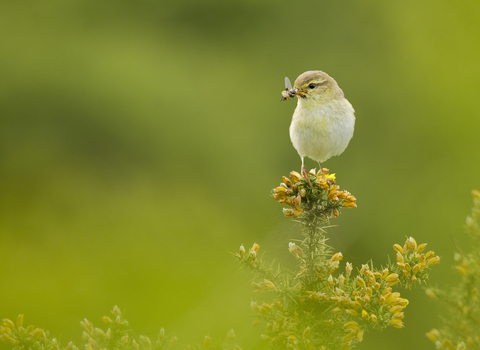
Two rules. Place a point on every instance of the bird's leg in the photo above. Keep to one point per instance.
(305, 173)
(321, 168)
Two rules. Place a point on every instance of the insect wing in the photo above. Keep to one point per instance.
(288, 84)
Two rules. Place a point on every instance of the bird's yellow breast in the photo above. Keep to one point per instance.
(320, 131)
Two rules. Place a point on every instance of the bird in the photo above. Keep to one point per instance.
(323, 121)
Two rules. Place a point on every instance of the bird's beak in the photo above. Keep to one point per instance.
(300, 93)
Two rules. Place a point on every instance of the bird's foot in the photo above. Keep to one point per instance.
(321, 168)
(305, 175)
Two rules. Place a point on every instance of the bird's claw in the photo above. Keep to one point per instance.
(305, 175)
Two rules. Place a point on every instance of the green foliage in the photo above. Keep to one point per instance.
(118, 336)
(461, 328)
(315, 307)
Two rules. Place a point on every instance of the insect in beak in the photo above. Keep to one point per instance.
(289, 92)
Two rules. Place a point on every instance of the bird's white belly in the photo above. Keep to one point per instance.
(321, 133)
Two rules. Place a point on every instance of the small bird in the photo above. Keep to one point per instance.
(323, 122)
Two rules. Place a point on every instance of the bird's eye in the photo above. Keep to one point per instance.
(312, 86)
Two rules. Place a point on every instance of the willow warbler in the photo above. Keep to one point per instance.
(323, 122)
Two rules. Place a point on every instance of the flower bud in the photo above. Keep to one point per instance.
(253, 255)
(392, 279)
(144, 340)
(411, 243)
(360, 336)
(116, 311)
(296, 177)
(7, 338)
(433, 261)
(306, 332)
(430, 294)
(352, 325)
(106, 319)
(348, 268)
(337, 257)
(351, 312)
(330, 280)
(242, 251)
(460, 270)
(337, 311)
(396, 308)
(39, 333)
(398, 248)
(397, 323)
(266, 284)
(100, 332)
(298, 200)
(419, 267)
(341, 281)
(289, 213)
(421, 247)
(207, 341)
(8, 323)
(294, 249)
(431, 336)
(20, 320)
(360, 282)
(447, 344)
(287, 181)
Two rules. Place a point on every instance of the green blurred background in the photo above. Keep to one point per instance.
(140, 141)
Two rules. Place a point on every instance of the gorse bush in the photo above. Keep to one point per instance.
(320, 304)
(118, 336)
(316, 306)
(461, 328)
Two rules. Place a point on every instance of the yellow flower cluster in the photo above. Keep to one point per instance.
(251, 257)
(118, 336)
(15, 333)
(411, 262)
(348, 303)
(282, 327)
(370, 300)
(462, 264)
(323, 197)
(445, 343)
(461, 325)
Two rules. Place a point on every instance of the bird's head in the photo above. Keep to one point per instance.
(317, 85)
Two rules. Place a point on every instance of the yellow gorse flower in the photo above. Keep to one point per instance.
(323, 198)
